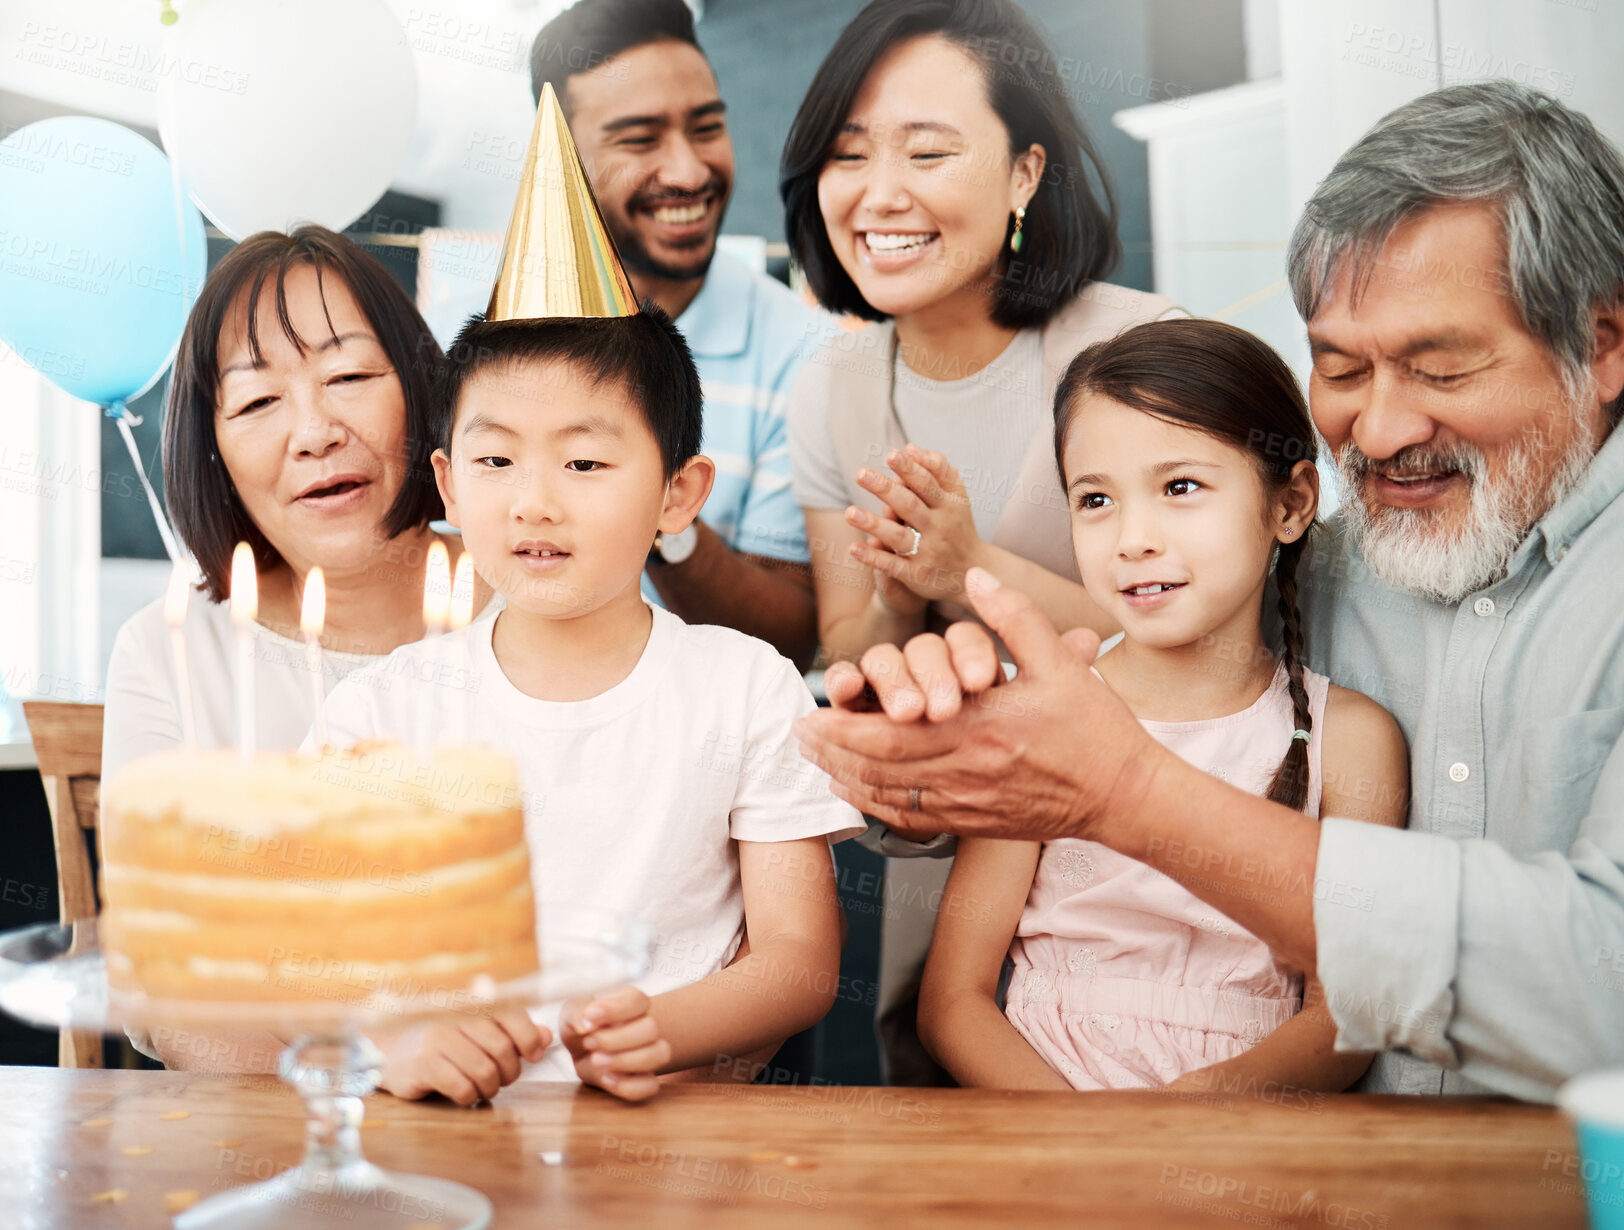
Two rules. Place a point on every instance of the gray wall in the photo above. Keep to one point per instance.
(1198, 45)
(765, 52)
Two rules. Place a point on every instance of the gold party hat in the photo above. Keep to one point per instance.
(558, 259)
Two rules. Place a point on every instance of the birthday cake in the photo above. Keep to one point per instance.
(370, 871)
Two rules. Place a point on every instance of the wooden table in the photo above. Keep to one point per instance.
(549, 1155)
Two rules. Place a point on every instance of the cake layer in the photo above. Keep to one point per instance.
(286, 792)
(155, 933)
(357, 846)
(385, 891)
(301, 978)
(298, 877)
(506, 918)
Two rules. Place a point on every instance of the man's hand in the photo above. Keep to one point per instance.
(768, 598)
(464, 1058)
(1053, 753)
(615, 1043)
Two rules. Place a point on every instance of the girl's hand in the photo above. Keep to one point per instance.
(925, 494)
(465, 1059)
(930, 677)
(615, 1043)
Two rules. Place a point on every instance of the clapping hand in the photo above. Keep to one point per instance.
(990, 759)
(880, 550)
(923, 493)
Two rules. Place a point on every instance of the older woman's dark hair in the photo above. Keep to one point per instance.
(1069, 235)
(203, 502)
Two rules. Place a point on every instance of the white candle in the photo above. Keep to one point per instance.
(180, 586)
(462, 614)
(436, 607)
(245, 615)
(312, 615)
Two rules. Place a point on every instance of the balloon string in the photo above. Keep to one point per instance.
(125, 421)
(119, 413)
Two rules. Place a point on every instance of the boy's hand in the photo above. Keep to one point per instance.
(464, 1058)
(615, 1043)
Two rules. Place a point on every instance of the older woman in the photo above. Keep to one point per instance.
(301, 420)
(937, 183)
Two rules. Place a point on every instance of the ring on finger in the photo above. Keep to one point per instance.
(913, 549)
(913, 797)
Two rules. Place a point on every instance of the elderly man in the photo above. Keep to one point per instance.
(1461, 271)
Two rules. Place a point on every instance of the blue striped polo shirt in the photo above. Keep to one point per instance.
(749, 334)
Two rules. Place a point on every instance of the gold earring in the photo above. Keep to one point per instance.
(1015, 239)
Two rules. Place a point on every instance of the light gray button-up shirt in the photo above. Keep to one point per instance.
(1483, 947)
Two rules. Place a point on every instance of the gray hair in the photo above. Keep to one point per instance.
(1558, 182)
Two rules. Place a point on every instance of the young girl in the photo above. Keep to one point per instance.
(1188, 457)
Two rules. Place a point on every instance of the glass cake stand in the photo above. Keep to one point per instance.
(55, 976)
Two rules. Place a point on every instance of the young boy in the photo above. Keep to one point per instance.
(660, 773)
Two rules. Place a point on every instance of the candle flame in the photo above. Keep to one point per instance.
(462, 593)
(244, 585)
(313, 610)
(437, 587)
(180, 589)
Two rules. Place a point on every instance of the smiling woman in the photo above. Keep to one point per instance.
(298, 422)
(937, 182)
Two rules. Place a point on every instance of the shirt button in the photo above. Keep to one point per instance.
(1458, 772)
(1484, 606)
(1562, 552)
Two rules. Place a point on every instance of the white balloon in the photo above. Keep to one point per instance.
(277, 112)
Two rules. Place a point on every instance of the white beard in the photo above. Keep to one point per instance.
(1405, 548)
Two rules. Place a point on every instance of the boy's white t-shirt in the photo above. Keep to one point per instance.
(633, 798)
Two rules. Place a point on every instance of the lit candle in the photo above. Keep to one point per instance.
(245, 615)
(436, 590)
(462, 593)
(462, 614)
(436, 607)
(312, 615)
(180, 586)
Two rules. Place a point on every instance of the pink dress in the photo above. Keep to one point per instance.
(1125, 979)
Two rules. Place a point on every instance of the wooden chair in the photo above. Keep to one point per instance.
(67, 743)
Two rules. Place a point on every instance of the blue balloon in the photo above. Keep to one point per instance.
(99, 263)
